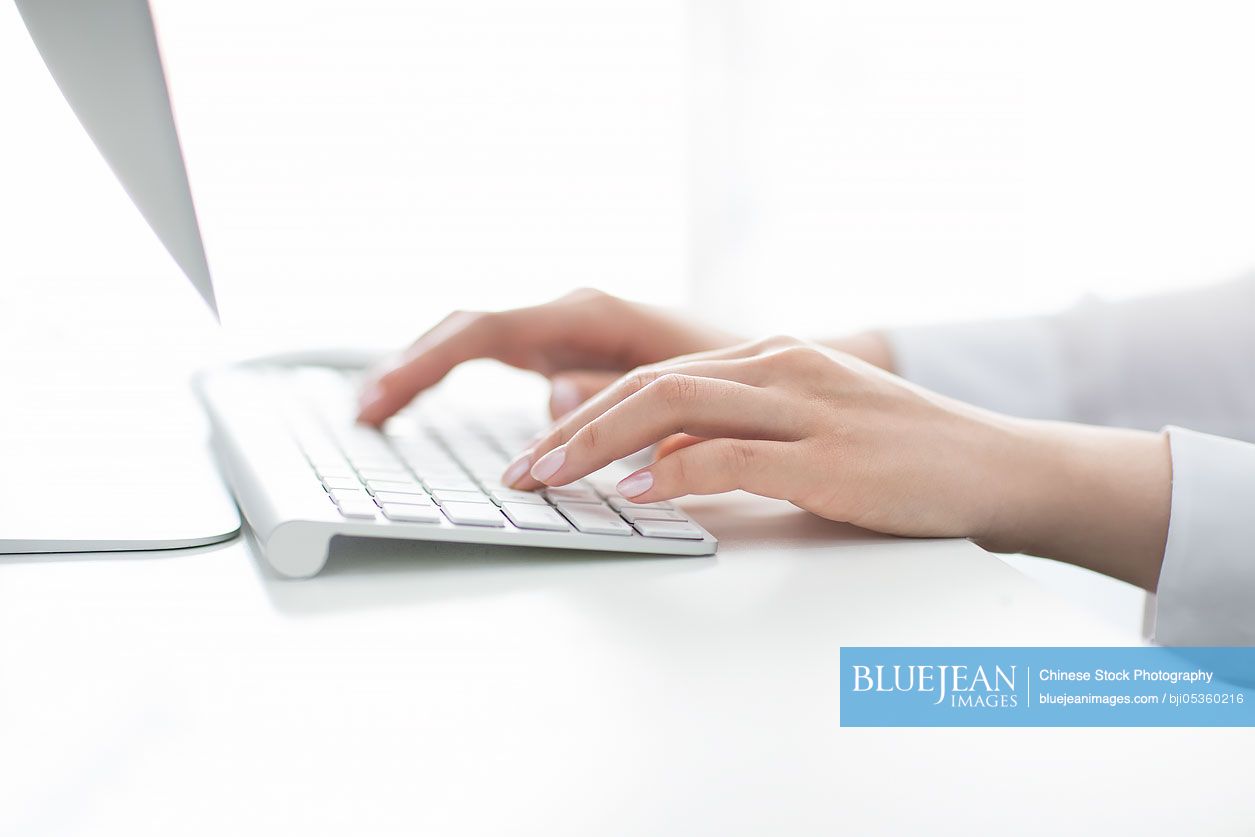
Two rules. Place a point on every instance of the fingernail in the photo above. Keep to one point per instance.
(564, 398)
(548, 464)
(636, 484)
(368, 402)
(516, 469)
(370, 396)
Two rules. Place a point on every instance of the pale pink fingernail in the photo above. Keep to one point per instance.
(370, 396)
(548, 464)
(516, 469)
(636, 484)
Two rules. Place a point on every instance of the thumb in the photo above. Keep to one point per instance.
(571, 389)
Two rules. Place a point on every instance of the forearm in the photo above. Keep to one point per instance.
(1096, 497)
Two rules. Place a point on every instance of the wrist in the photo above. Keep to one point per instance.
(1092, 496)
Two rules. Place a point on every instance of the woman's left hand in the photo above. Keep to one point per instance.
(787, 419)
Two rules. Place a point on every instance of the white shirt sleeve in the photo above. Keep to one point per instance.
(1185, 358)
(1207, 583)
(1014, 366)
(1177, 359)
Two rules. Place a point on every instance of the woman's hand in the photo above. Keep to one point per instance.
(844, 439)
(581, 342)
(786, 419)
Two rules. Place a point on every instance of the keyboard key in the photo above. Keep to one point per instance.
(594, 520)
(668, 529)
(436, 465)
(399, 426)
(621, 503)
(322, 453)
(332, 471)
(429, 464)
(410, 513)
(391, 485)
(391, 474)
(481, 458)
(421, 451)
(347, 483)
(578, 508)
(357, 508)
(382, 462)
(633, 515)
(347, 495)
(318, 449)
(385, 497)
(460, 482)
(489, 478)
(605, 484)
(473, 514)
(443, 496)
(510, 495)
(530, 516)
(572, 494)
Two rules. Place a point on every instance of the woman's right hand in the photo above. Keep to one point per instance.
(581, 342)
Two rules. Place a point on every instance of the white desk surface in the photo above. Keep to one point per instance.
(472, 692)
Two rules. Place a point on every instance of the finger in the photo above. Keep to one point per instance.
(516, 473)
(628, 385)
(672, 404)
(519, 467)
(569, 390)
(459, 337)
(748, 349)
(764, 467)
(671, 444)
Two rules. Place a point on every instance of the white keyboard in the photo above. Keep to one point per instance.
(432, 474)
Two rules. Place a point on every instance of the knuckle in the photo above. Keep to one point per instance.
(681, 468)
(739, 455)
(778, 341)
(638, 379)
(800, 359)
(591, 296)
(786, 359)
(800, 355)
(675, 389)
(587, 437)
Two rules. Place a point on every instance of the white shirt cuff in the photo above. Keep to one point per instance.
(1014, 366)
(1207, 583)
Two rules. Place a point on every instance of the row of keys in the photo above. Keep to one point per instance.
(589, 518)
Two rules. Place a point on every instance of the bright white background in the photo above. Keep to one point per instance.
(788, 166)
(808, 167)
